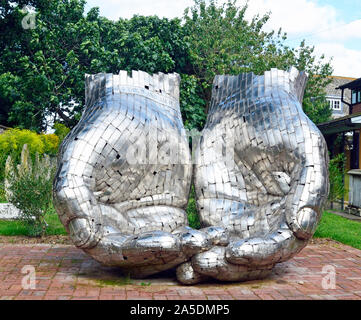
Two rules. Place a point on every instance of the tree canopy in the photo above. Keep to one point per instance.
(42, 69)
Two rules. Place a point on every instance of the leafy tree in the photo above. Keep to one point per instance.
(337, 171)
(45, 76)
(61, 131)
(222, 41)
(42, 62)
(42, 69)
(314, 100)
(192, 105)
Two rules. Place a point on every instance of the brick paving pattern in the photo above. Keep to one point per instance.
(66, 273)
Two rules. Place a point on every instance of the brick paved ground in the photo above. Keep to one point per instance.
(64, 272)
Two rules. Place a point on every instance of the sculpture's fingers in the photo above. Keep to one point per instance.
(187, 275)
(274, 248)
(150, 247)
(157, 251)
(213, 263)
(218, 236)
(197, 241)
(84, 232)
(141, 255)
(109, 249)
(192, 241)
(74, 200)
(151, 253)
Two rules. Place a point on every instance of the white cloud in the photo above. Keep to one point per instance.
(296, 16)
(342, 32)
(305, 18)
(346, 62)
(115, 9)
(321, 26)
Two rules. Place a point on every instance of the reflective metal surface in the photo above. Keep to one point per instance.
(260, 174)
(124, 175)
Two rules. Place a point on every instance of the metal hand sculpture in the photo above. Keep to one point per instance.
(124, 175)
(260, 176)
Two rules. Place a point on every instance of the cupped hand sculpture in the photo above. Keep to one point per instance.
(260, 176)
(124, 175)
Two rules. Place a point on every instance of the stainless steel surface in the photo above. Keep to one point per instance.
(124, 175)
(260, 174)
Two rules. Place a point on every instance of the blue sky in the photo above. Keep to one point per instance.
(349, 9)
(333, 27)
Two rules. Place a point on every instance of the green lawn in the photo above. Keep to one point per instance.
(340, 229)
(17, 228)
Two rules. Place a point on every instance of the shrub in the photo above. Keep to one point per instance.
(192, 106)
(51, 143)
(193, 217)
(30, 189)
(61, 131)
(13, 140)
(337, 170)
(2, 193)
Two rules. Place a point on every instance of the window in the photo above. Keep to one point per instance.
(335, 104)
(356, 96)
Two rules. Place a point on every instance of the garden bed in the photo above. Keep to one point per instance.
(60, 239)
